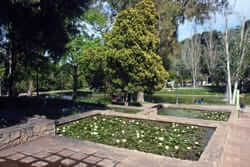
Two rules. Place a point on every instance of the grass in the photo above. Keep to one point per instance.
(191, 91)
(167, 139)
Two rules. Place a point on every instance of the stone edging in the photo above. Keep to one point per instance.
(212, 155)
(19, 134)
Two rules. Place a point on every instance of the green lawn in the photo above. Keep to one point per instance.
(191, 91)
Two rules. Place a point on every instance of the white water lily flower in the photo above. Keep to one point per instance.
(176, 147)
(192, 127)
(124, 140)
(161, 138)
(123, 131)
(95, 118)
(63, 130)
(189, 148)
(117, 141)
(78, 137)
(160, 144)
(113, 134)
(197, 143)
(178, 135)
(140, 141)
(94, 133)
(183, 131)
(175, 130)
(188, 127)
(137, 123)
(57, 129)
(104, 119)
(167, 147)
(60, 135)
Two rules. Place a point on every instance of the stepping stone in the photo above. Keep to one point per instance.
(107, 163)
(16, 157)
(28, 160)
(68, 162)
(81, 165)
(42, 154)
(66, 153)
(53, 158)
(92, 160)
(39, 164)
(78, 156)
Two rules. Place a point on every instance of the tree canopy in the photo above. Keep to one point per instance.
(133, 63)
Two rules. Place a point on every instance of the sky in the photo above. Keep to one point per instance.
(241, 8)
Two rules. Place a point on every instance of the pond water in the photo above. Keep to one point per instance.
(171, 99)
(176, 140)
(196, 114)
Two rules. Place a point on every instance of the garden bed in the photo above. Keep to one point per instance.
(168, 139)
(196, 114)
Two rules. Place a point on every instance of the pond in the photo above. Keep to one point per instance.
(168, 139)
(171, 99)
(125, 110)
(196, 114)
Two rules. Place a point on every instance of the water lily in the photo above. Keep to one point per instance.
(161, 138)
(189, 148)
(197, 143)
(117, 141)
(124, 140)
(167, 147)
(176, 147)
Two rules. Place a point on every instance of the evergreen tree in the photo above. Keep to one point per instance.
(133, 63)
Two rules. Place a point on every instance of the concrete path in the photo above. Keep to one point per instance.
(237, 148)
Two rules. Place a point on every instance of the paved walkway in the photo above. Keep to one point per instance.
(237, 149)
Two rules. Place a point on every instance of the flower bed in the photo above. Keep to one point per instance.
(168, 139)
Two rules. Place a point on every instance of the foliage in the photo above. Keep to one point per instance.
(169, 139)
(94, 61)
(133, 64)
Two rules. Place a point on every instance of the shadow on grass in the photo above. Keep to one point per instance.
(17, 110)
(216, 89)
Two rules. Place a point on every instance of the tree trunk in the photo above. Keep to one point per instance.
(126, 99)
(194, 82)
(11, 71)
(75, 82)
(228, 63)
(140, 97)
(235, 91)
(0, 87)
(37, 84)
(30, 89)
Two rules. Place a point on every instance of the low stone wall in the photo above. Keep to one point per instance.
(33, 129)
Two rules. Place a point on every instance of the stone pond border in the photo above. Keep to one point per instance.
(34, 128)
(212, 156)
